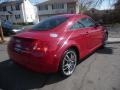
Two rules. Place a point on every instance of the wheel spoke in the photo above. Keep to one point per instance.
(71, 68)
(72, 56)
(65, 68)
(68, 57)
(72, 61)
(69, 71)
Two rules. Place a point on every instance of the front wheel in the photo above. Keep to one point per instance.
(105, 40)
(68, 62)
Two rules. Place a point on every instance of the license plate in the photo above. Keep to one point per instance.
(18, 50)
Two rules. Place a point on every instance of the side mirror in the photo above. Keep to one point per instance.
(96, 25)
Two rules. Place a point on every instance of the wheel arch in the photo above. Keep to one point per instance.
(76, 50)
(73, 47)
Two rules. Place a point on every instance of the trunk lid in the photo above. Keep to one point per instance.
(26, 40)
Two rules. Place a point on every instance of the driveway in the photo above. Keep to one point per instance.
(99, 71)
(114, 31)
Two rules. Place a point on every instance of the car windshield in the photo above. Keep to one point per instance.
(49, 23)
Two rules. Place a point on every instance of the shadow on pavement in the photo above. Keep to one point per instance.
(13, 77)
(105, 50)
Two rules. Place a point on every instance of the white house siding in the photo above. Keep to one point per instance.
(69, 7)
(27, 12)
(53, 11)
(46, 13)
(11, 17)
(17, 12)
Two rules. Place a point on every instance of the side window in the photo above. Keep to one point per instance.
(87, 22)
(77, 25)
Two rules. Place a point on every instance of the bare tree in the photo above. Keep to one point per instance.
(117, 4)
(87, 4)
(84, 5)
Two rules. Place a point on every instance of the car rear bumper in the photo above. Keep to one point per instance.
(38, 63)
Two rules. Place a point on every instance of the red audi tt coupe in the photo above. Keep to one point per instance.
(57, 43)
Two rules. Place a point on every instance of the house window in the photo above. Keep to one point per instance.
(17, 7)
(58, 6)
(7, 17)
(43, 7)
(17, 16)
(4, 8)
(0, 9)
(11, 8)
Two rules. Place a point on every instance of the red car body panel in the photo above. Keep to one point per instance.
(52, 48)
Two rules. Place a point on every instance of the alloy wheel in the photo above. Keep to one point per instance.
(69, 62)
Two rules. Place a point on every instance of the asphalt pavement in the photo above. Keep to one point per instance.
(99, 71)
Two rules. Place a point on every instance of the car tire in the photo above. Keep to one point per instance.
(104, 41)
(68, 63)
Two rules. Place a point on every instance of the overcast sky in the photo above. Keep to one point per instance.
(35, 1)
(105, 5)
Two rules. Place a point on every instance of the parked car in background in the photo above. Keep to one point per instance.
(57, 43)
(6, 26)
(17, 29)
(10, 29)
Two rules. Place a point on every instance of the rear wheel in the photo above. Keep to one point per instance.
(68, 62)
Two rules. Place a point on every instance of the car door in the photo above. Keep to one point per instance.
(80, 36)
(96, 32)
(93, 32)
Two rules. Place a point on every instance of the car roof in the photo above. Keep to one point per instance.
(73, 15)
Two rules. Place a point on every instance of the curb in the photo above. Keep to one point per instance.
(113, 40)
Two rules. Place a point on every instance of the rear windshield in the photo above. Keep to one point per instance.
(49, 23)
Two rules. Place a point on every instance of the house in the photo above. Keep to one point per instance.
(55, 7)
(18, 11)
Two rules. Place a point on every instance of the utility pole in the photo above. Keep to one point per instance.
(1, 33)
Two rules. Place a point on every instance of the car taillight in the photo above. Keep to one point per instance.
(24, 44)
(40, 46)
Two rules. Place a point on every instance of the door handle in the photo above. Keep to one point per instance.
(87, 33)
